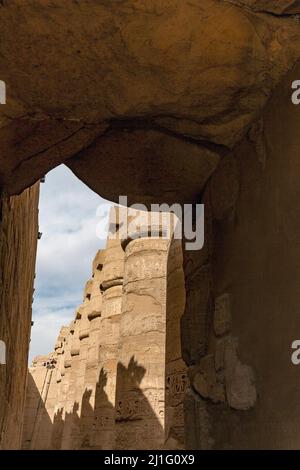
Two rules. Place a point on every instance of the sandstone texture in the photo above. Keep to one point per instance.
(256, 262)
(181, 101)
(281, 7)
(97, 391)
(140, 390)
(18, 241)
(153, 162)
(197, 71)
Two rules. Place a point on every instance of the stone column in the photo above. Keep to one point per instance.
(111, 286)
(59, 349)
(84, 334)
(94, 315)
(66, 390)
(72, 418)
(94, 311)
(58, 423)
(140, 391)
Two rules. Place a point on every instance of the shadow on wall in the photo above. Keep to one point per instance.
(95, 423)
(36, 417)
(138, 426)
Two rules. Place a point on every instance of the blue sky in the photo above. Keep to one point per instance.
(68, 221)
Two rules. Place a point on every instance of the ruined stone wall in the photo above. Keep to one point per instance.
(244, 387)
(176, 369)
(18, 241)
(191, 92)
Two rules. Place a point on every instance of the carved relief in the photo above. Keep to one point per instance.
(176, 385)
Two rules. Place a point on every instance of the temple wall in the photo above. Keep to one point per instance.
(257, 262)
(220, 376)
(176, 369)
(109, 336)
(40, 402)
(245, 389)
(18, 241)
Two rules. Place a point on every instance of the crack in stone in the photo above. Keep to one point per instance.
(262, 11)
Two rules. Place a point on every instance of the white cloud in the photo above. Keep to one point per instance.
(66, 250)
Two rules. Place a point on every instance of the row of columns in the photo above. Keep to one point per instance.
(115, 364)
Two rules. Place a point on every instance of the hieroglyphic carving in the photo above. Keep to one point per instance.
(97, 355)
(176, 385)
(136, 405)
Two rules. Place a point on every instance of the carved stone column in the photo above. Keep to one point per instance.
(94, 316)
(111, 286)
(67, 395)
(84, 336)
(72, 417)
(58, 423)
(140, 402)
(94, 312)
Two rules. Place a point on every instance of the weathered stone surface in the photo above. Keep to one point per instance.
(222, 377)
(176, 370)
(103, 76)
(100, 396)
(256, 260)
(113, 269)
(75, 346)
(40, 403)
(140, 410)
(202, 70)
(223, 188)
(38, 146)
(219, 354)
(159, 167)
(18, 241)
(151, 77)
(105, 343)
(239, 379)
(204, 380)
(195, 328)
(256, 137)
(281, 7)
(222, 315)
(197, 420)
